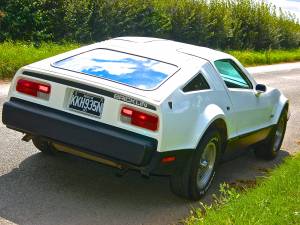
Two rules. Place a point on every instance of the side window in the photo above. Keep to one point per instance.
(232, 74)
(196, 84)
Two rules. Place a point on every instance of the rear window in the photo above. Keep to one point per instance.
(135, 71)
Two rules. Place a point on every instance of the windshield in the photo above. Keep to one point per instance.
(124, 68)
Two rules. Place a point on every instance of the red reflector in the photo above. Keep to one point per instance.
(141, 119)
(32, 88)
(168, 159)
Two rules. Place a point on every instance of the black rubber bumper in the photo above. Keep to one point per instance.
(113, 142)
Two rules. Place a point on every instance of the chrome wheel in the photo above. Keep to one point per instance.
(279, 134)
(206, 164)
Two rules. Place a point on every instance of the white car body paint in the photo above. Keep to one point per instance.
(183, 125)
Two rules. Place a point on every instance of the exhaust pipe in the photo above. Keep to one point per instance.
(27, 138)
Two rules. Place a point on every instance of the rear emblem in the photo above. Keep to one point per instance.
(130, 100)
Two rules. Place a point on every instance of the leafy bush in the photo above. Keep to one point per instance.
(224, 24)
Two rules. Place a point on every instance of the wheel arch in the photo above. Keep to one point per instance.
(218, 124)
(283, 103)
(215, 120)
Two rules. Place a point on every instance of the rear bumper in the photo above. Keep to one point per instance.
(76, 131)
(121, 146)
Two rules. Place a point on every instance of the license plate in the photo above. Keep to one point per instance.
(86, 103)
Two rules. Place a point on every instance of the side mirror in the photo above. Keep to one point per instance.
(260, 88)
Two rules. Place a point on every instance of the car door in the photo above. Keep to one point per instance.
(251, 110)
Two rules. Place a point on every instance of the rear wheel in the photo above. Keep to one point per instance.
(270, 147)
(43, 145)
(195, 178)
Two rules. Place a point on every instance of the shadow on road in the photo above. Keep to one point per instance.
(68, 190)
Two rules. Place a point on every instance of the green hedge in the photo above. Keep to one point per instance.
(224, 24)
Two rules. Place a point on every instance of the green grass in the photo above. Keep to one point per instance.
(14, 55)
(275, 200)
(254, 58)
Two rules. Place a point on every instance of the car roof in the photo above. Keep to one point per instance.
(170, 50)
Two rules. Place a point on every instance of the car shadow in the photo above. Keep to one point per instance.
(63, 189)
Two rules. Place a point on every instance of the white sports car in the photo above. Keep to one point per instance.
(157, 106)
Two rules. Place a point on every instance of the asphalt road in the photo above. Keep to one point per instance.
(38, 189)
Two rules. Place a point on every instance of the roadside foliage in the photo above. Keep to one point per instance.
(274, 200)
(222, 24)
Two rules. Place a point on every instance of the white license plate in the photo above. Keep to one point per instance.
(86, 103)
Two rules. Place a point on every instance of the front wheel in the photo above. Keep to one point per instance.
(270, 147)
(195, 178)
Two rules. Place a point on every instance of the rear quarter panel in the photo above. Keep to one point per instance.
(189, 118)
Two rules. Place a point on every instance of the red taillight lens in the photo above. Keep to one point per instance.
(168, 159)
(32, 88)
(139, 119)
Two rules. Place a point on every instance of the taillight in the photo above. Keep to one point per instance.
(33, 88)
(140, 119)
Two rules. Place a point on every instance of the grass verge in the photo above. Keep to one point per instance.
(15, 55)
(275, 200)
(255, 58)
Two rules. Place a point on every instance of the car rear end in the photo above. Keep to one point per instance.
(90, 116)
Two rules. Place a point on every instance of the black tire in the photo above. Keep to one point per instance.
(269, 148)
(185, 182)
(43, 145)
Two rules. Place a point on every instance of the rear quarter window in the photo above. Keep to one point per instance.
(196, 84)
